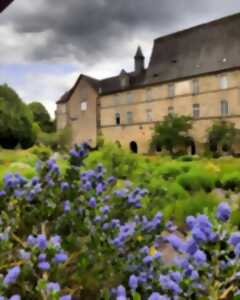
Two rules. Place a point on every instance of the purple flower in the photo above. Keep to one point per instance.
(31, 240)
(92, 202)
(97, 219)
(190, 221)
(24, 255)
(191, 247)
(237, 250)
(234, 239)
(74, 153)
(42, 257)
(200, 257)
(44, 266)
(2, 193)
(133, 282)
(223, 212)
(155, 296)
(53, 287)
(175, 242)
(64, 186)
(168, 284)
(198, 235)
(42, 242)
(11, 276)
(15, 297)
(100, 188)
(121, 293)
(148, 260)
(105, 210)
(56, 241)
(66, 297)
(60, 258)
(66, 206)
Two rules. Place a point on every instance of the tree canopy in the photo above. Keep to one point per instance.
(42, 117)
(16, 120)
(172, 132)
(222, 136)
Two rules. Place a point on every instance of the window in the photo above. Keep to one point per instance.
(195, 86)
(223, 82)
(129, 97)
(83, 105)
(171, 90)
(148, 94)
(117, 119)
(196, 110)
(170, 110)
(129, 117)
(224, 108)
(149, 115)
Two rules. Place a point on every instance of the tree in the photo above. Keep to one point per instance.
(222, 136)
(15, 120)
(172, 132)
(42, 117)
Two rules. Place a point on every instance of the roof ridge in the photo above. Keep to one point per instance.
(182, 31)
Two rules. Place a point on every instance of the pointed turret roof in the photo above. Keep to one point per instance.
(139, 53)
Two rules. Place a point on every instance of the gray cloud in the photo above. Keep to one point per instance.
(90, 30)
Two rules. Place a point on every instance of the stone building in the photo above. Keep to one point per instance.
(193, 72)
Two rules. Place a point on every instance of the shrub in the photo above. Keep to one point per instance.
(82, 225)
(231, 181)
(196, 180)
(42, 152)
(48, 140)
(188, 205)
(171, 171)
(187, 158)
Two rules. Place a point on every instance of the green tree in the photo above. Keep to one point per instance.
(15, 120)
(171, 133)
(42, 117)
(222, 136)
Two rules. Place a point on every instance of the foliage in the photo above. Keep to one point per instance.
(231, 181)
(172, 132)
(64, 137)
(15, 120)
(42, 152)
(42, 117)
(196, 180)
(222, 136)
(83, 224)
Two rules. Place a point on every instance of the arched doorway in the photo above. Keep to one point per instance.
(192, 148)
(134, 147)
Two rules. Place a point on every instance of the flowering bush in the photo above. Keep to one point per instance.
(85, 235)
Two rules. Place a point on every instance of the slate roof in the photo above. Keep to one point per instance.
(207, 48)
(66, 96)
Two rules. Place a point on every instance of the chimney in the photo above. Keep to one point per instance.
(139, 61)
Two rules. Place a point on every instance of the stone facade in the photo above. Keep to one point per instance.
(125, 108)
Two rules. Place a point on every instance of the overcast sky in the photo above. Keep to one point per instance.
(46, 44)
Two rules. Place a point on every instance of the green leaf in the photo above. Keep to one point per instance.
(136, 296)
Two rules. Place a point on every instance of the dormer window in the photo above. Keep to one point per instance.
(223, 82)
(124, 79)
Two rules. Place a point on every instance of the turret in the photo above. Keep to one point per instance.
(139, 61)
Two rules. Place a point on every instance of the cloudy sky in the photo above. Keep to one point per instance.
(46, 44)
